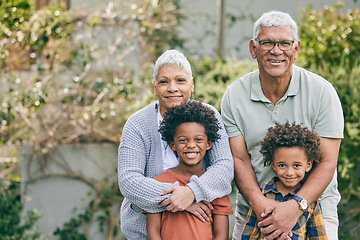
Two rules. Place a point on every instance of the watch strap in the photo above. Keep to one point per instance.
(297, 198)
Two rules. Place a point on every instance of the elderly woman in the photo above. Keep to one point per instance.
(142, 155)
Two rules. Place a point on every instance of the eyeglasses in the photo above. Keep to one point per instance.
(268, 45)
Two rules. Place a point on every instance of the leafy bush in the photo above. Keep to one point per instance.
(12, 226)
(347, 83)
(13, 14)
(69, 77)
(329, 35)
(330, 46)
(213, 75)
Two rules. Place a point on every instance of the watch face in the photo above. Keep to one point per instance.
(303, 204)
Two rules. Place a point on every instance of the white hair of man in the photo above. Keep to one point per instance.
(174, 58)
(275, 19)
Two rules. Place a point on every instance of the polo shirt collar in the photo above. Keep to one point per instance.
(258, 95)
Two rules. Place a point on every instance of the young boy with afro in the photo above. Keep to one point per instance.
(190, 130)
(291, 150)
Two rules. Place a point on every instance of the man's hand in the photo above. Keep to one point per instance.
(181, 198)
(279, 219)
(201, 210)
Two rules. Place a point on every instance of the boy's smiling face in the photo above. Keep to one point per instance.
(290, 165)
(190, 143)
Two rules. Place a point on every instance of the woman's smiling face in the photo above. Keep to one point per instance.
(172, 87)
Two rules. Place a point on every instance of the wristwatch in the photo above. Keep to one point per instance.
(302, 202)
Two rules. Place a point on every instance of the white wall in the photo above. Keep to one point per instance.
(61, 198)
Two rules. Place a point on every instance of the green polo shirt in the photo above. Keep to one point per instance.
(309, 99)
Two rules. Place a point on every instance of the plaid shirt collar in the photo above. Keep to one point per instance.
(271, 187)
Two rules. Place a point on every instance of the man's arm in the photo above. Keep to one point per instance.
(221, 227)
(245, 178)
(321, 176)
(153, 226)
(284, 216)
(246, 182)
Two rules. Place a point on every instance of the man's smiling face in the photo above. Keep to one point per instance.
(275, 63)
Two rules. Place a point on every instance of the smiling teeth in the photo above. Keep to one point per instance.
(276, 61)
(191, 154)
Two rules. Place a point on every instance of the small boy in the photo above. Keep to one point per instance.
(189, 129)
(291, 150)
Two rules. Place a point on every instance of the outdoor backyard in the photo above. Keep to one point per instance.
(71, 78)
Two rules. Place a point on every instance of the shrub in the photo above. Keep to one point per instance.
(84, 74)
(329, 35)
(213, 75)
(330, 47)
(12, 227)
(347, 83)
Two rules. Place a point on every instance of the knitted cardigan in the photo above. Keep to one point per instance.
(140, 159)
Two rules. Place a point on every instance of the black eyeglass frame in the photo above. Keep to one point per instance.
(276, 43)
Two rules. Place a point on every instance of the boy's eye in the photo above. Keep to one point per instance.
(281, 165)
(297, 165)
(182, 140)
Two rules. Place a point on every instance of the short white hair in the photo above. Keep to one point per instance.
(174, 58)
(276, 19)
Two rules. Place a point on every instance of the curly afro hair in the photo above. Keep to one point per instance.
(290, 135)
(191, 111)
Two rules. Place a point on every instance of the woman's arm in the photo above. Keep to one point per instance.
(141, 191)
(153, 226)
(221, 227)
(214, 183)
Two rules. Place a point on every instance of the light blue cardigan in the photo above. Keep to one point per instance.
(140, 159)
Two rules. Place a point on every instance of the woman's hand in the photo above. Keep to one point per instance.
(201, 210)
(181, 198)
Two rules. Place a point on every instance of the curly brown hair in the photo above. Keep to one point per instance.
(191, 111)
(290, 135)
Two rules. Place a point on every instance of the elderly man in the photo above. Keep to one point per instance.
(276, 92)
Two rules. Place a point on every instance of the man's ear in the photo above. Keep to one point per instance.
(192, 85)
(252, 48)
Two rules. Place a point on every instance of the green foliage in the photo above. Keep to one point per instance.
(82, 79)
(156, 27)
(330, 46)
(213, 75)
(12, 226)
(329, 35)
(347, 83)
(13, 13)
(100, 211)
(70, 229)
